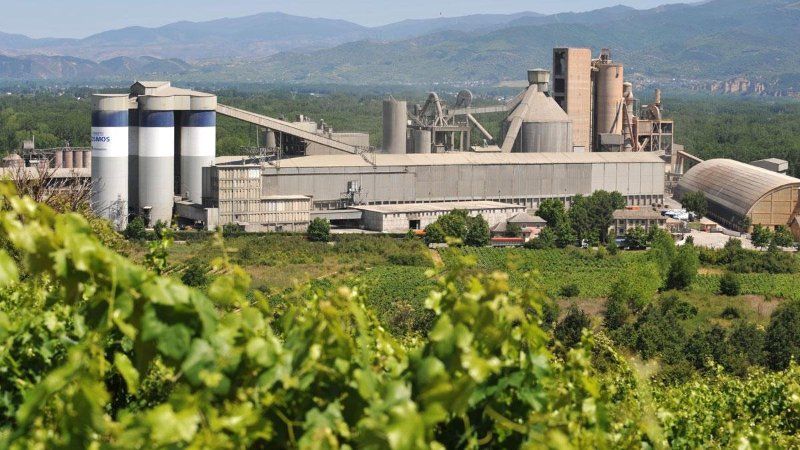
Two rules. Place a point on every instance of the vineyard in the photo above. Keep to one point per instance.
(99, 350)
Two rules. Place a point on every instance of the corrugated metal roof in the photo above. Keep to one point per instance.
(435, 207)
(468, 158)
(733, 184)
(638, 214)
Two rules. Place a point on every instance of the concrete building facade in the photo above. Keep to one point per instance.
(399, 218)
(335, 182)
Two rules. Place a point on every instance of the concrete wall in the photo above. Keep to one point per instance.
(642, 183)
(398, 222)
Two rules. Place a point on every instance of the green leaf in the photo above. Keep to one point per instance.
(9, 274)
(128, 372)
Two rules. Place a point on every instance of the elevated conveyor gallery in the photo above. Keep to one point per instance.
(284, 127)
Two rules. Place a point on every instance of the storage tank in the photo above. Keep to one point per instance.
(87, 164)
(59, 159)
(545, 127)
(395, 125)
(156, 157)
(420, 141)
(109, 158)
(133, 158)
(68, 158)
(609, 98)
(77, 159)
(198, 145)
(270, 141)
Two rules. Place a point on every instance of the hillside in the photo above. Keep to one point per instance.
(42, 67)
(718, 39)
(715, 40)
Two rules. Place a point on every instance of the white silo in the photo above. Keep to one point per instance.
(109, 158)
(395, 126)
(156, 157)
(198, 144)
(133, 158)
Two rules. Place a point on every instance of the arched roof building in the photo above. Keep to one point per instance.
(736, 191)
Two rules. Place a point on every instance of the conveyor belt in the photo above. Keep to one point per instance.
(283, 127)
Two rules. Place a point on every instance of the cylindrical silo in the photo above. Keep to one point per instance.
(420, 141)
(395, 124)
(77, 159)
(156, 157)
(198, 145)
(109, 158)
(87, 162)
(133, 158)
(545, 127)
(609, 98)
(270, 141)
(59, 159)
(68, 158)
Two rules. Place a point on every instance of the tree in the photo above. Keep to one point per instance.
(684, 267)
(603, 204)
(695, 202)
(513, 230)
(565, 235)
(135, 230)
(454, 224)
(545, 239)
(552, 211)
(580, 217)
(761, 236)
(636, 238)
(319, 230)
(782, 342)
(782, 237)
(594, 214)
(570, 329)
(478, 234)
(616, 313)
(730, 285)
(434, 234)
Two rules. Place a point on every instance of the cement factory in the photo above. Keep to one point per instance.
(574, 130)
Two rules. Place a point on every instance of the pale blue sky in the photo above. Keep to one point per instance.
(79, 18)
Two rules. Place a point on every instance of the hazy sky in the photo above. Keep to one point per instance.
(79, 18)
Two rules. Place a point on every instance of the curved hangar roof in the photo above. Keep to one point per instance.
(732, 184)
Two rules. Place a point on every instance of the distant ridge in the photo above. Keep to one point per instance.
(713, 40)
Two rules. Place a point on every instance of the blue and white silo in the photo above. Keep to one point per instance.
(133, 159)
(198, 144)
(156, 157)
(110, 157)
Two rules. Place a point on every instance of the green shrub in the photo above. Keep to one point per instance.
(683, 269)
(730, 285)
(570, 290)
(782, 342)
(195, 275)
(730, 313)
(570, 330)
(319, 230)
(135, 230)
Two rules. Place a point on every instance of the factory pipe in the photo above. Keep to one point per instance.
(109, 190)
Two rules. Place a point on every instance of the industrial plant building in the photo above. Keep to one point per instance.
(153, 153)
(740, 195)
(399, 218)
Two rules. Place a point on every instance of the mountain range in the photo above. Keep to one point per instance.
(716, 39)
